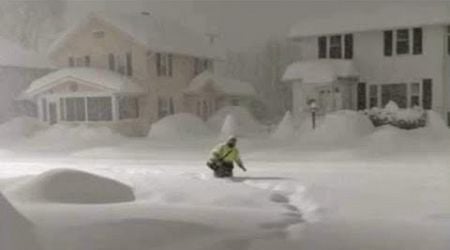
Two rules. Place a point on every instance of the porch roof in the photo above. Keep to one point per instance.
(320, 71)
(103, 79)
(224, 85)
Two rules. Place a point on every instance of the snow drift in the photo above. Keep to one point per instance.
(179, 126)
(285, 130)
(339, 128)
(247, 126)
(19, 127)
(16, 231)
(71, 186)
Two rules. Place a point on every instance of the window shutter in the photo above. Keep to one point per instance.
(71, 62)
(112, 62)
(362, 95)
(170, 64)
(427, 92)
(129, 64)
(158, 64)
(417, 41)
(171, 106)
(348, 46)
(322, 45)
(388, 35)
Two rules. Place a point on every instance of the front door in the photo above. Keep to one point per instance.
(52, 113)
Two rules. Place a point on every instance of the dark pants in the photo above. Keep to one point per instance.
(222, 170)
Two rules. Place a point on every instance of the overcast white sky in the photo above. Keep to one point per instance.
(241, 23)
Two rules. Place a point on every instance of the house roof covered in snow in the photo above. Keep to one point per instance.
(221, 84)
(12, 54)
(156, 33)
(108, 80)
(389, 16)
(320, 71)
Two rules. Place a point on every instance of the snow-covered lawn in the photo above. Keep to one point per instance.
(389, 190)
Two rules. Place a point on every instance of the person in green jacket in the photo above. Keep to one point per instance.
(223, 157)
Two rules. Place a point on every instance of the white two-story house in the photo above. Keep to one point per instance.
(126, 71)
(364, 60)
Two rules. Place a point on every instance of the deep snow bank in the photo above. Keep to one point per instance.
(246, 123)
(70, 186)
(179, 126)
(18, 128)
(16, 232)
(339, 128)
(63, 137)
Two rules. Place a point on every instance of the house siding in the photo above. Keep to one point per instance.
(84, 43)
(376, 68)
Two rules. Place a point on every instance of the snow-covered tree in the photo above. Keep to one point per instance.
(285, 129)
(32, 24)
(229, 127)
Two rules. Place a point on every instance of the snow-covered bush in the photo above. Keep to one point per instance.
(338, 128)
(245, 122)
(179, 127)
(285, 129)
(402, 118)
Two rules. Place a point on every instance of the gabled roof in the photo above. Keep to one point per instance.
(220, 84)
(105, 79)
(320, 71)
(14, 55)
(387, 16)
(156, 33)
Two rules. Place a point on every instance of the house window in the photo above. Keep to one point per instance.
(164, 64)
(417, 41)
(448, 40)
(373, 96)
(336, 46)
(129, 64)
(87, 61)
(394, 92)
(128, 107)
(75, 109)
(402, 42)
(427, 93)
(99, 108)
(388, 39)
(322, 44)
(112, 62)
(71, 62)
(348, 52)
(201, 65)
(415, 94)
(163, 107)
(44, 109)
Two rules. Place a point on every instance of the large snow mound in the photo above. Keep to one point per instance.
(339, 128)
(71, 186)
(246, 123)
(16, 231)
(20, 127)
(61, 136)
(180, 126)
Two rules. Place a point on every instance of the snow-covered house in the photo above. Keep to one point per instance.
(18, 67)
(209, 92)
(121, 69)
(400, 52)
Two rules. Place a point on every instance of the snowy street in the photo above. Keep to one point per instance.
(317, 200)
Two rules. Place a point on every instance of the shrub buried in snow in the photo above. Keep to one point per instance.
(402, 118)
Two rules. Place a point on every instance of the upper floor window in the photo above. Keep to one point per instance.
(403, 40)
(164, 64)
(336, 46)
(122, 64)
(201, 65)
(80, 61)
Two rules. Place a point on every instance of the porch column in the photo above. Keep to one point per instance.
(114, 108)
